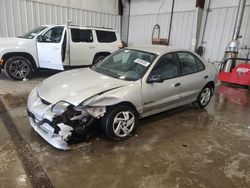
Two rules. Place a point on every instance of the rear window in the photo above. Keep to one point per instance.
(105, 36)
(80, 35)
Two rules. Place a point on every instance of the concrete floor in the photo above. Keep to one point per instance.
(185, 147)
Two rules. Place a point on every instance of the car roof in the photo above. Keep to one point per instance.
(84, 27)
(157, 49)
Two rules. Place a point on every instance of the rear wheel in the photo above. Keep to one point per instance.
(204, 97)
(18, 68)
(98, 59)
(119, 122)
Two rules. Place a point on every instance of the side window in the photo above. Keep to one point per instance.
(200, 65)
(80, 35)
(105, 36)
(188, 63)
(54, 35)
(167, 67)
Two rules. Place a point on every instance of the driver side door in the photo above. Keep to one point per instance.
(162, 90)
(49, 48)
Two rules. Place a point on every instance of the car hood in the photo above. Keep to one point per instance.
(76, 86)
(11, 41)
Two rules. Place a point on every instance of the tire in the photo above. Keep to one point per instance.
(125, 125)
(204, 96)
(98, 59)
(18, 68)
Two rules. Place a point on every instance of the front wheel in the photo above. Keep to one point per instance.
(119, 122)
(204, 97)
(18, 68)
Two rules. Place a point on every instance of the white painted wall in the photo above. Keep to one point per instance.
(19, 16)
(105, 6)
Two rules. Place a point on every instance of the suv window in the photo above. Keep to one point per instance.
(81, 35)
(105, 36)
(188, 63)
(53, 35)
(167, 67)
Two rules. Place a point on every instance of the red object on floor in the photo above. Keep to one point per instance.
(239, 75)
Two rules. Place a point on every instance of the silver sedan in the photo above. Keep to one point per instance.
(129, 84)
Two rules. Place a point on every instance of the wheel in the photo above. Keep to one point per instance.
(119, 122)
(18, 68)
(204, 97)
(98, 59)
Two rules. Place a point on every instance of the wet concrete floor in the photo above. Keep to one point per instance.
(184, 147)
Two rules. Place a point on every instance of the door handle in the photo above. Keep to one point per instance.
(205, 77)
(91, 47)
(56, 48)
(177, 84)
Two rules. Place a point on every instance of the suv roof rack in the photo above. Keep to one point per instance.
(99, 27)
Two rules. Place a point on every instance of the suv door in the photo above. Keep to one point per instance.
(108, 41)
(82, 47)
(162, 93)
(193, 77)
(49, 48)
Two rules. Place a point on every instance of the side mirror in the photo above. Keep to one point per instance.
(39, 38)
(155, 79)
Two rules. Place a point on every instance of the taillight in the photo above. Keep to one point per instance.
(120, 46)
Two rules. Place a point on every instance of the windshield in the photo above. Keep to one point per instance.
(34, 32)
(125, 64)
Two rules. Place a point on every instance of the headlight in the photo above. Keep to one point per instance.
(59, 107)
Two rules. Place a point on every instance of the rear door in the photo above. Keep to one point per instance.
(193, 77)
(82, 47)
(164, 95)
(108, 41)
(49, 48)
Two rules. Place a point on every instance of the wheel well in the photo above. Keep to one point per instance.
(128, 104)
(23, 54)
(210, 84)
(101, 54)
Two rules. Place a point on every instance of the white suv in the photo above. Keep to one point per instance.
(56, 47)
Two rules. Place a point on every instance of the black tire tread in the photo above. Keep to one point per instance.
(8, 62)
(107, 121)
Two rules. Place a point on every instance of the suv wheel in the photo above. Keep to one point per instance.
(18, 68)
(119, 122)
(98, 59)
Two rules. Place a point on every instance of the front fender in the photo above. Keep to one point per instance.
(130, 93)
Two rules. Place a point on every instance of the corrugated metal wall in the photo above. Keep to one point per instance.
(141, 26)
(219, 31)
(145, 14)
(19, 16)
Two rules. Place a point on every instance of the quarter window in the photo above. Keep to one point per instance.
(167, 67)
(105, 36)
(188, 63)
(200, 65)
(80, 35)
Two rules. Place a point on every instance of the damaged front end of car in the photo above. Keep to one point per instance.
(64, 124)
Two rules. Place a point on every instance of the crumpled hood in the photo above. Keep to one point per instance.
(76, 86)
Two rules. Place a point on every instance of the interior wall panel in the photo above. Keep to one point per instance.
(19, 16)
(219, 31)
(182, 33)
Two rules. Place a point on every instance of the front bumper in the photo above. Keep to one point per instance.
(46, 131)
